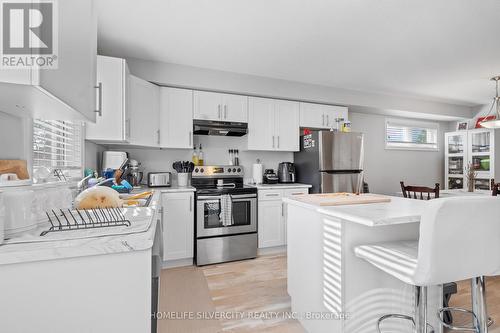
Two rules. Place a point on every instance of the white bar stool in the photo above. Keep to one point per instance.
(459, 239)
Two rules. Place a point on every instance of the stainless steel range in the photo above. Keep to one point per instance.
(226, 215)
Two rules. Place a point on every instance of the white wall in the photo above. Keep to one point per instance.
(14, 140)
(215, 150)
(385, 168)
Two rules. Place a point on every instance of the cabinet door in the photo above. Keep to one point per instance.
(111, 124)
(332, 113)
(178, 225)
(207, 105)
(144, 113)
(73, 82)
(480, 152)
(235, 108)
(271, 224)
(287, 125)
(312, 115)
(176, 118)
(261, 124)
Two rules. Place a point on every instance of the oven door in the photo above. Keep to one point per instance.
(208, 221)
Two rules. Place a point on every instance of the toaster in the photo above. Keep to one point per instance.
(159, 179)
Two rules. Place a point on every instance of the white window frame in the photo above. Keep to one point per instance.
(411, 123)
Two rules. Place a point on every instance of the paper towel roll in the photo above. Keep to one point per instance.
(257, 173)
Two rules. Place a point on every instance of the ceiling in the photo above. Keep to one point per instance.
(432, 49)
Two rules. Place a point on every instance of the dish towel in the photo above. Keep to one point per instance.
(226, 210)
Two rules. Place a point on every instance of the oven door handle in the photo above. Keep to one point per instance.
(218, 197)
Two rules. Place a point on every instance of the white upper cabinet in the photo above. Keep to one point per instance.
(235, 108)
(67, 92)
(220, 107)
(273, 124)
(113, 119)
(144, 113)
(287, 125)
(320, 115)
(176, 118)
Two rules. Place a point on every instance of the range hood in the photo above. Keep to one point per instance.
(221, 128)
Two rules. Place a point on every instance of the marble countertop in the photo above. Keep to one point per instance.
(52, 250)
(279, 186)
(398, 211)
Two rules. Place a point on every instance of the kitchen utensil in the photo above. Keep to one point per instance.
(18, 215)
(342, 198)
(19, 167)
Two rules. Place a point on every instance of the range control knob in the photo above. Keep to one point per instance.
(234, 169)
(229, 170)
(239, 169)
(202, 170)
(196, 170)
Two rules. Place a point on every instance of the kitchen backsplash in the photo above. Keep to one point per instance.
(215, 149)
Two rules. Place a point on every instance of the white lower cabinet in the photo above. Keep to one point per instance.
(272, 215)
(178, 225)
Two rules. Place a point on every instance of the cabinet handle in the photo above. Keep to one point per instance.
(273, 141)
(323, 120)
(282, 209)
(218, 109)
(297, 193)
(191, 204)
(158, 134)
(225, 111)
(99, 108)
(278, 141)
(127, 129)
(272, 195)
(327, 120)
(190, 139)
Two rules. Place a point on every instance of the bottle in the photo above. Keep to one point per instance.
(200, 156)
(236, 157)
(230, 157)
(195, 156)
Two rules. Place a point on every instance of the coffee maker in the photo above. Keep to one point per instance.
(286, 172)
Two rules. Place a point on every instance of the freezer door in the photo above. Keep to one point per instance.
(340, 151)
(341, 182)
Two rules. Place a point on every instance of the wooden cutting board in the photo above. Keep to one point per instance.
(19, 167)
(339, 199)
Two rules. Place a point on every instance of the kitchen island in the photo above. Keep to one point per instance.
(93, 280)
(334, 291)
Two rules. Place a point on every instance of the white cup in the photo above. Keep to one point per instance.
(182, 179)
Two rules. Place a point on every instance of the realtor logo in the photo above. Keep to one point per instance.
(29, 34)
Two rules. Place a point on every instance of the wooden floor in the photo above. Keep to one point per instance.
(257, 286)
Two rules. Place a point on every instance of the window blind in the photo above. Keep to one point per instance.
(58, 145)
(411, 135)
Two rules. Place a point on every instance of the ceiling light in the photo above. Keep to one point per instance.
(494, 123)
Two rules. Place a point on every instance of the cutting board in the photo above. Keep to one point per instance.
(18, 167)
(339, 199)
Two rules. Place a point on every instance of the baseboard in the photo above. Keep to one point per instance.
(177, 263)
(271, 250)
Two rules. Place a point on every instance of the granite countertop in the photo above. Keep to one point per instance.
(398, 211)
(99, 245)
(279, 186)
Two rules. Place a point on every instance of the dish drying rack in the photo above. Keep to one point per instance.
(74, 219)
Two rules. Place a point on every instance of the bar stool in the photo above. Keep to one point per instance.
(459, 239)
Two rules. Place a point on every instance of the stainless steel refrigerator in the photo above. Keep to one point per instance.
(330, 161)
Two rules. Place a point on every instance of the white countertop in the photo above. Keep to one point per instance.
(398, 211)
(40, 251)
(279, 186)
(169, 189)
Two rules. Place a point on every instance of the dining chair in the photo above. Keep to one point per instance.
(495, 188)
(408, 190)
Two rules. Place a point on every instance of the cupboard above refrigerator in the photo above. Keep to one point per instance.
(475, 147)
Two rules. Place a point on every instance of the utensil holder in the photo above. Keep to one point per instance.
(183, 179)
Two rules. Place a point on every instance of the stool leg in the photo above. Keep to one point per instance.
(478, 295)
(420, 309)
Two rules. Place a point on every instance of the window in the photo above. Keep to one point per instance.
(409, 134)
(58, 145)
